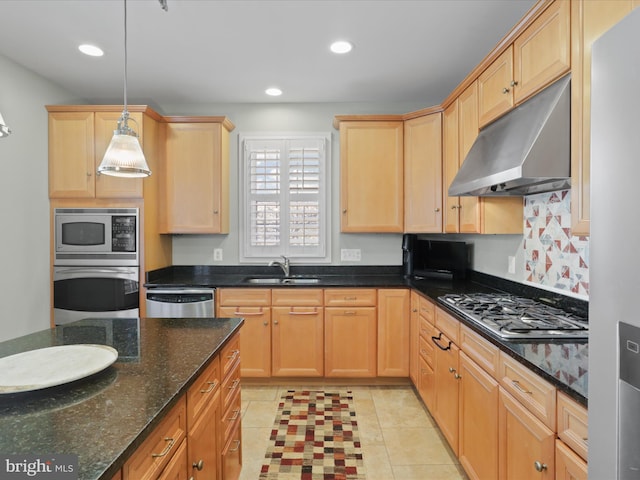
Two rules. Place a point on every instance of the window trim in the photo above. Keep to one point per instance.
(244, 198)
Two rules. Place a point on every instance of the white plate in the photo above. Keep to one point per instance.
(51, 366)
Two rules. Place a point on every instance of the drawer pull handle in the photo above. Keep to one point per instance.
(236, 413)
(540, 467)
(234, 355)
(212, 385)
(516, 384)
(199, 465)
(457, 376)
(248, 314)
(167, 449)
(349, 313)
(351, 298)
(235, 383)
(435, 340)
(292, 312)
(237, 442)
(423, 352)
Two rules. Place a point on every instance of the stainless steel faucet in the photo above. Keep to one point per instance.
(283, 265)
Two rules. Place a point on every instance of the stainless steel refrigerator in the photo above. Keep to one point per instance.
(614, 258)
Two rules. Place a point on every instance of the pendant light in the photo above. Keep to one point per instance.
(124, 157)
(4, 130)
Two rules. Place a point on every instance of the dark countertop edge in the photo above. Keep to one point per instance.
(380, 277)
(122, 458)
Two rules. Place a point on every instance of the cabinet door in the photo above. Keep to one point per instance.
(427, 384)
(176, 469)
(470, 221)
(478, 411)
(450, 165)
(297, 342)
(414, 338)
(232, 455)
(203, 445)
(194, 178)
(423, 174)
(542, 52)
(569, 466)
(495, 89)
(393, 332)
(526, 445)
(255, 341)
(350, 342)
(371, 176)
(108, 186)
(71, 155)
(446, 387)
(589, 20)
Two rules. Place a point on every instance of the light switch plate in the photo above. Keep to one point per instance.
(350, 255)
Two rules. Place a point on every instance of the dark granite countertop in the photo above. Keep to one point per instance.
(105, 417)
(564, 363)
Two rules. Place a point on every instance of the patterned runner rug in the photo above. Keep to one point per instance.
(314, 437)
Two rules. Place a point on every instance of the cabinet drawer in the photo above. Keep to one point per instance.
(427, 310)
(231, 416)
(536, 394)
(352, 297)
(232, 456)
(230, 355)
(176, 469)
(569, 466)
(159, 447)
(426, 350)
(426, 329)
(297, 297)
(573, 424)
(480, 350)
(249, 297)
(230, 387)
(448, 325)
(203, 390)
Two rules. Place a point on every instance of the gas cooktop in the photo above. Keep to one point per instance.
(512, 317)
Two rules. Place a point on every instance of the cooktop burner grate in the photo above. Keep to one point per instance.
(513, 317)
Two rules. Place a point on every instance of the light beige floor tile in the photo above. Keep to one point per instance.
(368, 426)
(260, 414)
(431, 472)
(254, 445)
(260, 392)
(376, 463)
(416, 446)
(400, 408)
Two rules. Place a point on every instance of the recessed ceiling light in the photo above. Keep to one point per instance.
(91, 50)
(273, 91)
(341, 46)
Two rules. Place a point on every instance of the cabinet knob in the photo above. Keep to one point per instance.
(514, 83)
(505, 90)
(275, 322)
(215, 212)
(198, 465)
(265, 323)
(437, 210)
(540, 467)
(344, 210)
(457, 376)
(88, 174)
(452, 370)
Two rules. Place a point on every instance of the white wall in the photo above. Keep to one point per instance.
(24, 202)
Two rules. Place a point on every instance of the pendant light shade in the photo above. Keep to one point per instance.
(124, 157)
(4, 130)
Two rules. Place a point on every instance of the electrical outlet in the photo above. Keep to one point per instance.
(217, 254)
(512, 264)
(350, 255)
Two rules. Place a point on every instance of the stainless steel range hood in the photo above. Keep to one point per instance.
(524, 152)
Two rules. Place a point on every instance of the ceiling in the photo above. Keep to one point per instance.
(230, 51)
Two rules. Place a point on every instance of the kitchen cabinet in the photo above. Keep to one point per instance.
(196, 187)
(78, 138)
(297, 314)
(526, 445)
(446, 382)
(569, 466)
(254, 305)
(426, 353)
(350, 333)
(465, 214)
(572, 421)
(176, 469)
(589, 20)
(231, 455)
(537, 57)
(393, 332)
(414, 337)
(423, 174)
(371, 175)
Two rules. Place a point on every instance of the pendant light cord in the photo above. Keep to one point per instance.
(125, 112)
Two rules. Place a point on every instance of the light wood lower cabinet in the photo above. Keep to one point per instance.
(350, 341)
(232, 455)
(204, 442)
(176, 469)
(526, 445)
(393, 332)
(569, 465)
(446, 389)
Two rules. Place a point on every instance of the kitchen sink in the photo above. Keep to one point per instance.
(282, 281)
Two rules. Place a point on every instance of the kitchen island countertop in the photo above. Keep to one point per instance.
(105, 417)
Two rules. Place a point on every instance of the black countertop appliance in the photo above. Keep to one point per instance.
(434, 258)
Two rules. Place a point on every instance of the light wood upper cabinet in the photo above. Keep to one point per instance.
(589, 20)
(542, 52)
(371, 176)
(78, 139)
(495, 88)
(197, 175)
(450, 166)
(423, 174)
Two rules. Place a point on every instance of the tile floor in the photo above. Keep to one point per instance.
(400, 440)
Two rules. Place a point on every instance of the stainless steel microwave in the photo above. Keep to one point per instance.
(96, 236)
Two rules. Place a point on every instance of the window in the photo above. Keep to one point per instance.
(285, 198)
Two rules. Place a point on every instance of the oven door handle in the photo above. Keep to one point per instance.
(439, 337)
(68, 273)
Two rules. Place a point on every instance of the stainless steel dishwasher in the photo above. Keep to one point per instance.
(181, 302)
(629, 402)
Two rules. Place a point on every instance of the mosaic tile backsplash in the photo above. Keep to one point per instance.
(553, 256)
